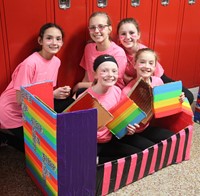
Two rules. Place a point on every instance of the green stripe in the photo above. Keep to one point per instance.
(167, 95)
(126, 121)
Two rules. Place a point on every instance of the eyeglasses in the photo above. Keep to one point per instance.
(100, 27)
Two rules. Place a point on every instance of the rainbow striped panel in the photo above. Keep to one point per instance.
(40, 142)
(126, 112)
(87, 101)
(166, 99)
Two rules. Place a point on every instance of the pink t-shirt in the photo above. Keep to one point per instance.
(90, 54)
(130, 71)
(155, 81)
(108, 100)
(33, 69)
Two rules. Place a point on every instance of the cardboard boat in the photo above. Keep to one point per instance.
(61, 148)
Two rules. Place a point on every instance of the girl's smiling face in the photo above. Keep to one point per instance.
(51, 42)
(99, 28)
(145, 64)
(107, 74)
(128, 35)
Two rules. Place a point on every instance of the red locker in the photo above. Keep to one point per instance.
(166, 33)
(4, 71)
(21, 21)
(188, 57)
(170, 27)
(73, 19)
(142, 12)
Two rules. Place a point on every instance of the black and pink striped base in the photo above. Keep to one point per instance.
(114, 175)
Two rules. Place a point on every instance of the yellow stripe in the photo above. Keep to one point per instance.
(165, 103)
(123, 116)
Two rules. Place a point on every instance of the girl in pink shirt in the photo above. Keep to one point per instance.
(100, 29)
(105, 77)
(129, 36)
(144, 135)
(39, 66)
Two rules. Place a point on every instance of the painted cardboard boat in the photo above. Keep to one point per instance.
(61, 148)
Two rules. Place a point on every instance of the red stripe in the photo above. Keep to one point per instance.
(134, 158)
(154, 159)
(181, 147)
(36, 182)
(45, 115)
(120, 169)
(106, 178)
(167, 112)
(190, 127)
(171, 154)
(144, 163)
(47, 146)
(163, 153)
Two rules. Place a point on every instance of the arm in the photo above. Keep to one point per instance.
(18, 97)
(131, 129)
(84, 84)
(62, 92)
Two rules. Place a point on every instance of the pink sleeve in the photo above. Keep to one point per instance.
(22, 76)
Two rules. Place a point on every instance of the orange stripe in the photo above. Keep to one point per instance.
(122, 107)
(166, 113)
(52, 181)
(39, 113)
(45, 115)
(33, 158)
(171, 107)
(46, 149)
(44, 143)
(51, 152)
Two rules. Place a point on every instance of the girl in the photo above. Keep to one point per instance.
(106, 75)
(129, 36)
(39, 66)
(100, 29)
(145, 65)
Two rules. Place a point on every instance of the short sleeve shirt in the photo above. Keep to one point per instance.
(130, 71)
(108, 100)
(91, 53)
(33, 69)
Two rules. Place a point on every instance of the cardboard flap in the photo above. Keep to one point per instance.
(87, 101)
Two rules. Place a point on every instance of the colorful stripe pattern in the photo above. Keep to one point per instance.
(166, 99)
(197, 109)
(40, 143)
(126, 112)
(114, 175)
(141, 94)
(87, 101)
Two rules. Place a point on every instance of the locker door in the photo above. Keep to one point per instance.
(189, 58)
(142, 11)
(167, 32)
(4, 76)
(113, 8)
(21, 21)
(72, 16)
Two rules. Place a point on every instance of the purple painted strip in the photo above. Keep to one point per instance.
(76, 151)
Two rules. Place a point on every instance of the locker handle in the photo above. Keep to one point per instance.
(164, 2)
(64, 4)
(102, 3)
(191, 2)
(135, 3)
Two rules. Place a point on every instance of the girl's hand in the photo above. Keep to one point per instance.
(62, 92)
(132, 128)
(182, 97)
